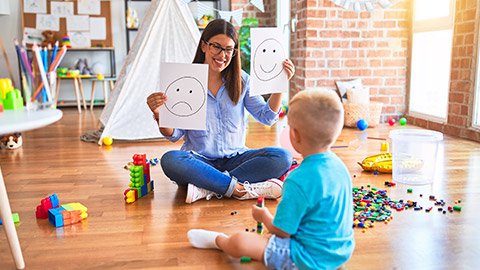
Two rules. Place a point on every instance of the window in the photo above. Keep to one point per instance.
(476, 108)
(431, 58)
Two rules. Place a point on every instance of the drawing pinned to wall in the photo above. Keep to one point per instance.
(61, 9)
(185, 86)
(80, 39)
(47, 22)
(91, 7)
(268, 55)
(99, 32)
(78, 23)
(35, 6)
(32, 35)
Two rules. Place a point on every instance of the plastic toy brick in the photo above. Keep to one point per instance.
(150, 186)
(13, 100)
(139, 159)
(137, 176)
(55, 217)
(54, 200)
(16, 218)
(45, 205)
(130, 195)
(61, 216)
(80, 207)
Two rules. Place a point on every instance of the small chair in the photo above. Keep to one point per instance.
(111, 80)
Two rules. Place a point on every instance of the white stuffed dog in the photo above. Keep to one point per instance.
(11, 141)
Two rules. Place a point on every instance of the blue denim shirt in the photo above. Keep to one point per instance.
(225, 133)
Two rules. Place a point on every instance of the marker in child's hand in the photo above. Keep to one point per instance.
(260, 203)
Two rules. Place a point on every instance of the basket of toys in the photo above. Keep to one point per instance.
(370, 112)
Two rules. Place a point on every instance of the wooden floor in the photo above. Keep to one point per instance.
(152, 232)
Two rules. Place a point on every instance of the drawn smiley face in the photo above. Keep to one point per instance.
(268, 59)
(186, 96)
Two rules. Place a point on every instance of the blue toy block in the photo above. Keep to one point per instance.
(144, 190)
(54, 200)
(55, 217)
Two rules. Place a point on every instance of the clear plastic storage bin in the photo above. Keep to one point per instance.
(414, 154)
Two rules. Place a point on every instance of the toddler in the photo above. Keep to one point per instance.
(312, 227)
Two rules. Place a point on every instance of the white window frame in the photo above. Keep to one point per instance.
(429, 25)
(476, 94)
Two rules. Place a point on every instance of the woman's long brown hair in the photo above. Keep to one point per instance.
(231, 74)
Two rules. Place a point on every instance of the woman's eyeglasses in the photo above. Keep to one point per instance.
(215, 48)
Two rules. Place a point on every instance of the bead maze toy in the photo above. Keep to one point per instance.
(60, 215)
(140, 183)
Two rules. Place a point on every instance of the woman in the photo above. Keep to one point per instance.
(215, 161)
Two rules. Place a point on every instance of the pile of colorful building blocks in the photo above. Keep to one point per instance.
(370, 205)
(60, 215)
(140, 183)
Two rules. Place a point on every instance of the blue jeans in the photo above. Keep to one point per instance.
(277, 254)
(221, 175)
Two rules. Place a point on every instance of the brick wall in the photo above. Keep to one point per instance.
(462, 84)
(265, 19)
(332, 44)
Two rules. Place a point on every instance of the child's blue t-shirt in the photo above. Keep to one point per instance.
(317, 211)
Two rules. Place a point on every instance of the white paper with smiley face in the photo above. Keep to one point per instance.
(185, 86)
(266, 66)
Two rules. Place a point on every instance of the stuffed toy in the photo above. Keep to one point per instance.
(48, 34)
(82, 66)
(11, 141)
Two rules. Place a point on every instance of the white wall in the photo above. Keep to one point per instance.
(11, 28)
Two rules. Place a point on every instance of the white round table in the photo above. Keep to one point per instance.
(18, 121)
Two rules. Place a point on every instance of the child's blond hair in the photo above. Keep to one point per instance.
(317, 114)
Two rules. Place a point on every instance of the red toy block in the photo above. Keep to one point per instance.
(42, 209)
(139, 159)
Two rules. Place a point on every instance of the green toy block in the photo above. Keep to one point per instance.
(13, 100)
(16, 218)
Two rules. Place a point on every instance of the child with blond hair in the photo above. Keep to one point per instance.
(312, 227)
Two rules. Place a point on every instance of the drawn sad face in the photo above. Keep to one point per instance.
(186, 96)
(268, 59)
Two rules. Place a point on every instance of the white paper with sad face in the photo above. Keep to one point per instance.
(185, 86)
(266, 67)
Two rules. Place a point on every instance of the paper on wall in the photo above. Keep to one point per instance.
(266, 67)
(91, 7)
(34, 6)
(47, 22)
(80, 39)
(78, 23)
(32, 35)
(61, 9)
(98, 31)
(185, 86)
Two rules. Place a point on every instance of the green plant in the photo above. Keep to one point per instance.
(244, 39)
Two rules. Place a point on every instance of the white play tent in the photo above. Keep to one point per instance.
(168, 34)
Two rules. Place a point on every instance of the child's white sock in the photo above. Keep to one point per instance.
(203, 238)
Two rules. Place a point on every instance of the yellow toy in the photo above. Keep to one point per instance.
(380, 163)
(383, 163)
(107, 141)
(384, 147)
